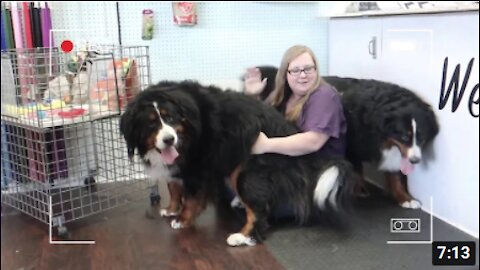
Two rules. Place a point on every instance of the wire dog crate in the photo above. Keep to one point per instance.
(60, 136)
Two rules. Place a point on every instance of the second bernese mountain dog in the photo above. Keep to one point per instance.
(388, 125)
(201, 134)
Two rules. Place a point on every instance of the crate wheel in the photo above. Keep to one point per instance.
(90, 184)
(155, 199)
(62, 232)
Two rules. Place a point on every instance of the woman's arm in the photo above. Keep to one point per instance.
(293, 145)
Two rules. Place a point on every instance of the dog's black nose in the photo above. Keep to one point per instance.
(168, 140)
(414, 160)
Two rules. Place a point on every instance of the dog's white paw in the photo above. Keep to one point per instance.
(237, 203)
(413, 204)
(238, 239)
(165, 213)
(175, 224)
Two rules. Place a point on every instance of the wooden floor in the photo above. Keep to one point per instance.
(135, 237)
(129, 238)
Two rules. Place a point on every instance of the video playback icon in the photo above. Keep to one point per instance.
(404, 225)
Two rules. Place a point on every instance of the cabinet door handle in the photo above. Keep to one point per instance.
(372, 47)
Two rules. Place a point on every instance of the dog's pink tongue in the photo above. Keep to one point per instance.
(169, 155)
(406, 167)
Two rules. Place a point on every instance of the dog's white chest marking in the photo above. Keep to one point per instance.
(391, 159)
(157, 168)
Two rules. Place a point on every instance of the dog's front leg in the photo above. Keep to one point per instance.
(192, 207)
(399, 192)
(175, 188)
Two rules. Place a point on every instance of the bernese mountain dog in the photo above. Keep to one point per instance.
(387, 125)
(202, 134)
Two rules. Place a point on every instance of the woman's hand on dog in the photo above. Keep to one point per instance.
(254, 84)
(260, 146)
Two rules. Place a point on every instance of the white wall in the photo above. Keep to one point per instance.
(452, 177)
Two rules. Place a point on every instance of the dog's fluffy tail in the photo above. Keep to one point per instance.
(334, 187)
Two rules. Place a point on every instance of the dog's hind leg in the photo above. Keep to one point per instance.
(176, 194)
(243, 237)
(397, 187)
(360, 189)
(255, 194)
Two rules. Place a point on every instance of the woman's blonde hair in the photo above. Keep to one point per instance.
(281, 83)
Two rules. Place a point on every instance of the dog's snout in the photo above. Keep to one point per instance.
(414, 160)
(168, 140)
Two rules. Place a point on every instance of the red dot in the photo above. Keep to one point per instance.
(67, 46)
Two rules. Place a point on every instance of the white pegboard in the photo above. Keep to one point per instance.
(228, 38)
(95, 22)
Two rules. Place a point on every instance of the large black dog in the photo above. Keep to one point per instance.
(202, 134)
(387, 125)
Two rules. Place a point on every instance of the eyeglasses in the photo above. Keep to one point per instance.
(296, 72)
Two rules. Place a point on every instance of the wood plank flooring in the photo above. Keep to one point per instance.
(128, 238)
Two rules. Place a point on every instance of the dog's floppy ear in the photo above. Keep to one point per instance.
(191, 115)
(128, 129)
(385, 122)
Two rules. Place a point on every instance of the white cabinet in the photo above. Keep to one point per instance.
(354, 47)
(411, 52)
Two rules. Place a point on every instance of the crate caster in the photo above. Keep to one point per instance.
(90, 184)
(154, 195)
(154, 199)
(62, 232)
